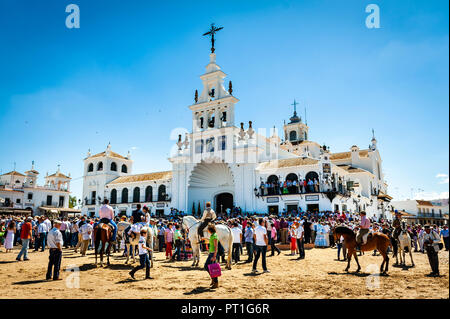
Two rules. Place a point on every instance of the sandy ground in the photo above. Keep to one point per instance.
(320, 275)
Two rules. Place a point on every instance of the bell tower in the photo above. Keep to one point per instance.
(32, 176)
(295, 131)
(214, 108)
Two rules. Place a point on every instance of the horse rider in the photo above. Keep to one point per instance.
(208, 216)
(397, 224)
(137, 222)
(106, 214)
(364, 228)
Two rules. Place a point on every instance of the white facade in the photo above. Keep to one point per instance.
(424, 211)
(226, 164)
(21, 191)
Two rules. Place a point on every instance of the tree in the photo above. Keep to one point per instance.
(199, 210)
(193, 209)
(72, 201)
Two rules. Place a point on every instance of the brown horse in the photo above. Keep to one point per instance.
(378, 241)
(103, 235)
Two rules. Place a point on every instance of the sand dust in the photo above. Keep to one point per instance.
(320, 275)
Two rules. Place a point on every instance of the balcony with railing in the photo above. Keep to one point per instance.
(296, 190)
(52, 204)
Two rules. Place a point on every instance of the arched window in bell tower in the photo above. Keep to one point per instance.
(292, 135)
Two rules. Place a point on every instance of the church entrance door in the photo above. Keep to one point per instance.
(223, 201)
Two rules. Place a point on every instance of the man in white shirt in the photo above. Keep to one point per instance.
(48, 223)
(431, 242)
(261, 240)
(299, 231)
(106, 214)
(86, 235)
(42, 231)
(55, 243)
(237, 239)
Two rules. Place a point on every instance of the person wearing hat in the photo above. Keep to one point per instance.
(209, 215)
(431, 241)
(364, 227)
(55, 242)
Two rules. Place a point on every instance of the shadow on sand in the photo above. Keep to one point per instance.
(30, 282)
(251, 274)
(198, 290)
(403, 267)
(86, 267)
(183, 268)
(357, 274)
(126, 281)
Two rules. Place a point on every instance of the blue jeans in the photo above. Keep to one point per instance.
(24, 250)
(110, 221)
(260, 250)
(144, 261)
(54, 263)
(177, 253)
(40, 242)
(249, 246)
(74, 240)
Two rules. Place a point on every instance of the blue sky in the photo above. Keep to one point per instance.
(128, 75)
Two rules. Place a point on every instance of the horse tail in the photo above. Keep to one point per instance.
(230, 241)
(230, 246)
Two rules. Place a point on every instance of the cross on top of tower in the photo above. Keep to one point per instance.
(212, 31)
(295, 118)
(295, 106)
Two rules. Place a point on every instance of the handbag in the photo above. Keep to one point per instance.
(214, 270)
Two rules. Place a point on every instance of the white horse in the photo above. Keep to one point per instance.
(404, 240)
(121, 226)
(224, 234)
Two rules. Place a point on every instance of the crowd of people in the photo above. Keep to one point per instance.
(256, 234)
(295, 185)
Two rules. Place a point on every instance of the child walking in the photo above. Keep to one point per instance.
(143, 256)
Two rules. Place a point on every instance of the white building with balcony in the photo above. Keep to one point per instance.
(21, 191)
(423, 211)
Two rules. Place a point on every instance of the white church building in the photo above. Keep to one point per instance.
(231, 166)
